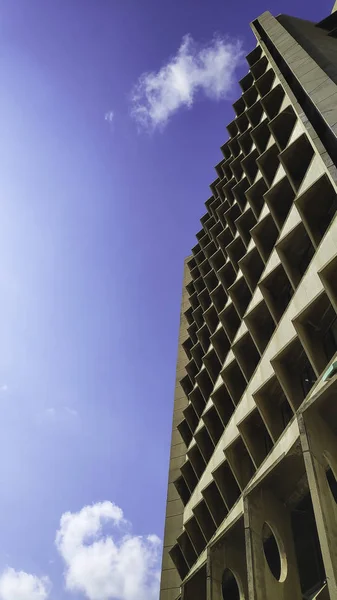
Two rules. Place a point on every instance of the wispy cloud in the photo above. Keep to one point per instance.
(102, 567)
(18, 585)
(71, 411)
(60, 412)
(109, 117)
(208, 69)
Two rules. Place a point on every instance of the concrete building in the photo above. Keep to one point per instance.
(252, 492)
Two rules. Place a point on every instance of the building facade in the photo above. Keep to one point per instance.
(252, 493)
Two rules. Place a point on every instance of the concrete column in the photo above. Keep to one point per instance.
(261, 506)
(319, 446)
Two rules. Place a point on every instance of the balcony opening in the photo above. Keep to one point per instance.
(249, 165)
(213, 424)
(189, 475)
(250, 96)
(244, 224)
(274, 407)
(255, 113)
(191, 417)
(192, 370)
(272, 101)
(204, 299)
(241, 295)
(239, 193)
(218, 260)
(261, 135)
(223, 404)
(195, 534)
(246, 82)
(252, 267)
(280, 199)
(227, 484)
(259, 67)
(294, 372)
(220, 343)
(282, 126)
(242, 123)
(317, 207)
(277, 292)
(179, 561)
(211, 318)
(234, 146)
(268, 163)
(212, 365)
(247, 355)
(205, 443)
(236, 250)
(197, 460)
(205, 382)
(254, 55)
(239, 106)
(225, 238)
(296, 252)
(265, 234)
(227, 275)
(205, 520)
(231, 215)
(246, 142)
(203, 335)
(232, 129)
(256, 436)
(219, 298)
(265, 82)
(255, 196)
(317, 329)
(197, 401)
(240, 462)
(296, 160)
(261, 325)
(197, 354)
(230, 320)
(182, 489)
(215, 503)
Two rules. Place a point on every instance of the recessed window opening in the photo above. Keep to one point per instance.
(274, 555)
(230, 586)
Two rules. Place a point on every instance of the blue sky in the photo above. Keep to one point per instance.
(106, 155)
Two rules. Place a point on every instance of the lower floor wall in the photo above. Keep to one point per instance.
(283, 545)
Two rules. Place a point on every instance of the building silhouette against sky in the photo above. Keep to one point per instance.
(252, 493)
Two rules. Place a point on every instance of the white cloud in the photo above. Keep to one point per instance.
(71, 411)
(51, 412)
(209, 68)
(118, 566)
(109, 117)
(18, 585)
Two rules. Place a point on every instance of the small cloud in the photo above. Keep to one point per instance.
(71, 411)
(50, 412)
(4, 387)
(15, 585)
(118, 565)
(208, 69)
(109, 117)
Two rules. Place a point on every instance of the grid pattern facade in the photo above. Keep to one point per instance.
(252, 497)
